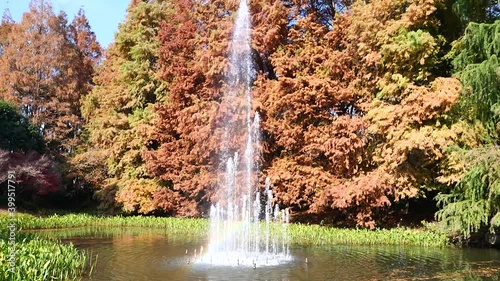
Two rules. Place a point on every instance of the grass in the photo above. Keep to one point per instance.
(300, 234)
(195, 227)
(318, 235)
(42, 259)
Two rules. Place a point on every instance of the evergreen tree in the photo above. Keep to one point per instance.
(119, 111)
(479, 11)
(17, 135)
(474, 202)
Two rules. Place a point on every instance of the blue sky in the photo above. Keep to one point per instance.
(104, 15)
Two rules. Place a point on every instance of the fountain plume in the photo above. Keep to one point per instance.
(237, 235)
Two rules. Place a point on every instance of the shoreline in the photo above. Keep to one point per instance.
(300, 234)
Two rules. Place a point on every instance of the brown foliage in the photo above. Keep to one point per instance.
(346, 107)
(193, 50)
(350, 115)
(46, 67)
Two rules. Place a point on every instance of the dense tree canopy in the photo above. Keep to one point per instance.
(119, 111)
(364, 104)
(328, 98)
(17, 134)
(356, 102)
(474, 202)
(46, 67)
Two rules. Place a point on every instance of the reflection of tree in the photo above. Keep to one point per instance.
(456, 264)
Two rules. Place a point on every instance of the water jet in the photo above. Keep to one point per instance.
(247, 228)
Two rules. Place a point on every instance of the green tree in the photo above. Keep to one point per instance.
(17, 135)
(120, 109)
(484, 11)
(474, 202)
(477, 64)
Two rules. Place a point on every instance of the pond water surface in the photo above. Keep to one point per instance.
(136, 254)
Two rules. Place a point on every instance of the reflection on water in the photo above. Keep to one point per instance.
(151, 254)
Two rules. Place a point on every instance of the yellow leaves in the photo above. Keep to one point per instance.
(453, 169)
(390, 38)
(410, 54)
(393, 87)
(411, 139)
(464, 135)
(421, 104)
(137, 195)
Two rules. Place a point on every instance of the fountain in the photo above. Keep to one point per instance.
(238, 236)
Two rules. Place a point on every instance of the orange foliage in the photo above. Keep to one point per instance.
(350, 115)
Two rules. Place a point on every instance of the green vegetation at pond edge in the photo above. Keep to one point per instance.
(43, 259)
(320, 235)
(300, 234)
(40, 258)
(185, 226)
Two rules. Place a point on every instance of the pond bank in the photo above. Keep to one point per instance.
(55, 258)
(300, 234)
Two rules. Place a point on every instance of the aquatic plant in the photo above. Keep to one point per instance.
(303, 234)
(174, 225)
(43, 259)
(300, 234)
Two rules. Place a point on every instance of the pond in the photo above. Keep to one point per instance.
(124, 254)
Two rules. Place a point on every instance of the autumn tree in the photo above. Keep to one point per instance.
(351, 103)
(88, 52)
(309, 114)
(354, 118)
(5, 29)
(193, 60)
(406, 118)
(47, 65)
(355, 98)
(21, 148)
(119, 111)
(40, 74)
